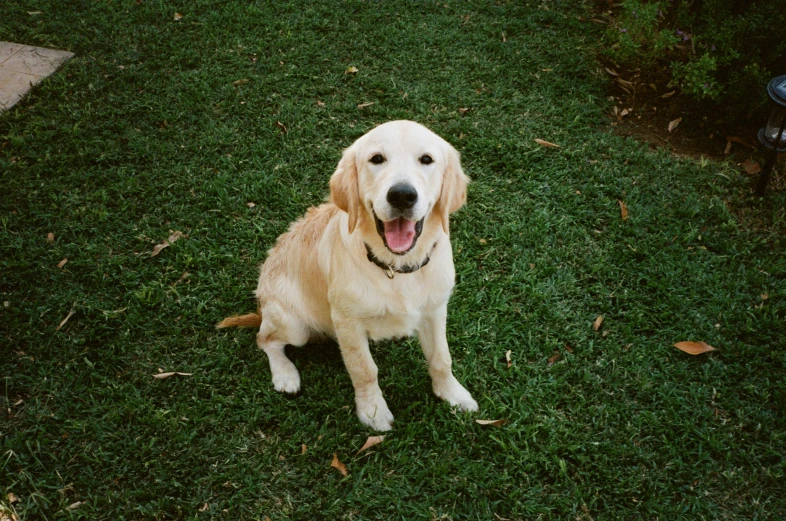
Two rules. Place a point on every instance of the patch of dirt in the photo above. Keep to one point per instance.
(645, 107)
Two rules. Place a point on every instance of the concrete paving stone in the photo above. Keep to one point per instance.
(35, 60)
(14, 85)
(7, 49)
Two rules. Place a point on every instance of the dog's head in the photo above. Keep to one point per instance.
(399, 178)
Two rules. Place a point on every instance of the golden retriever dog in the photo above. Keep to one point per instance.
(373, 263)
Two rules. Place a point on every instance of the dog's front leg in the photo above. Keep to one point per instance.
(434, 342)
(371, 406)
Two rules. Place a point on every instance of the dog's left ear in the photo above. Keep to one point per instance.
(344, 187)
(454, 188)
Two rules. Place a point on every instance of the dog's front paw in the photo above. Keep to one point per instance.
(454, 393)
(373, 411)
(286, 378)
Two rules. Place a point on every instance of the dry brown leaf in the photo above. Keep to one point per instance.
(282, 127)
(546, 143)
(63, 322)
(694, 348)
(611, 71)
(240, 82)
(177, 17)
(568, 348)
(250, 204)
(553, 358)
(742, 141)
(336, 464)
(163, 376)
(623, 210)
(493, 423)
(728, 147)
(370, 442)
(598, 322)
(204, 507)
(11, 498)
(50, 237)
(463, 110)
(173, 236)
(303, 449)
(364, 105)
(624, 113)
(751, 167)
(507, 357)
(668, 94)
(764, 296)
(62, 263)
(351, 70)
(673, 123)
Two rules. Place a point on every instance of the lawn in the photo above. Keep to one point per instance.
(225, 125)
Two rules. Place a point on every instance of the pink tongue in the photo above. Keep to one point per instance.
(399, 234)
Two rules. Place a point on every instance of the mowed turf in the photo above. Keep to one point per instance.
(161, 125)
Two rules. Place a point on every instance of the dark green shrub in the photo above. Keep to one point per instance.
(720, 50)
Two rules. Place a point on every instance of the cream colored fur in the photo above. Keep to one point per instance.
(317, 280)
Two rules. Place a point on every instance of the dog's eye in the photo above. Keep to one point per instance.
(426, 159)
(377, 159)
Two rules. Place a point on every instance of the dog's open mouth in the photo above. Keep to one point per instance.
(399, 235)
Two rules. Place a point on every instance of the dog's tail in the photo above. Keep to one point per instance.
(250, 320)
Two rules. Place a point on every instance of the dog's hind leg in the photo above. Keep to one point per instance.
(275, 333)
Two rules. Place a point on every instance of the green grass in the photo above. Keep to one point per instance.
(144, 132)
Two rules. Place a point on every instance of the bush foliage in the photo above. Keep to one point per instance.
(720, 50)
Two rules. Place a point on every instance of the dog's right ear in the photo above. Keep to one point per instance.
(344, 187)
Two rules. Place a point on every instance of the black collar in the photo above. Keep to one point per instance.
(390, 271)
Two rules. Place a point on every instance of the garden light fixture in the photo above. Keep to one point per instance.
(773, 136)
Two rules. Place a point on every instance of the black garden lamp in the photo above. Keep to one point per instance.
(773, 136)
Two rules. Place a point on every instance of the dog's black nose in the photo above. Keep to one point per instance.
(402, 196)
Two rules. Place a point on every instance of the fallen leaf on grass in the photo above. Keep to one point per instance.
(598, 322)
(251, 205)
(364, 105)
(668, 94)
(764, 296)
(623, 210)
(463, 110)
(507, 357)
(336, 464)
(546, 143)
(624, 83)
(351, 70)
(674, 123)
(63, 322)
(751, 167)
(204, 507)
(240, 82)
(320, 103)
(694, 348)
(172, 238)
(568, 348)
(62, 263)
(11, 498)
(553, 358)
(303, 449)
(493, 423)
(74, 506)
(370, 442)
(282, 127)
(50, 237)
(177, 17)
(163, 376)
